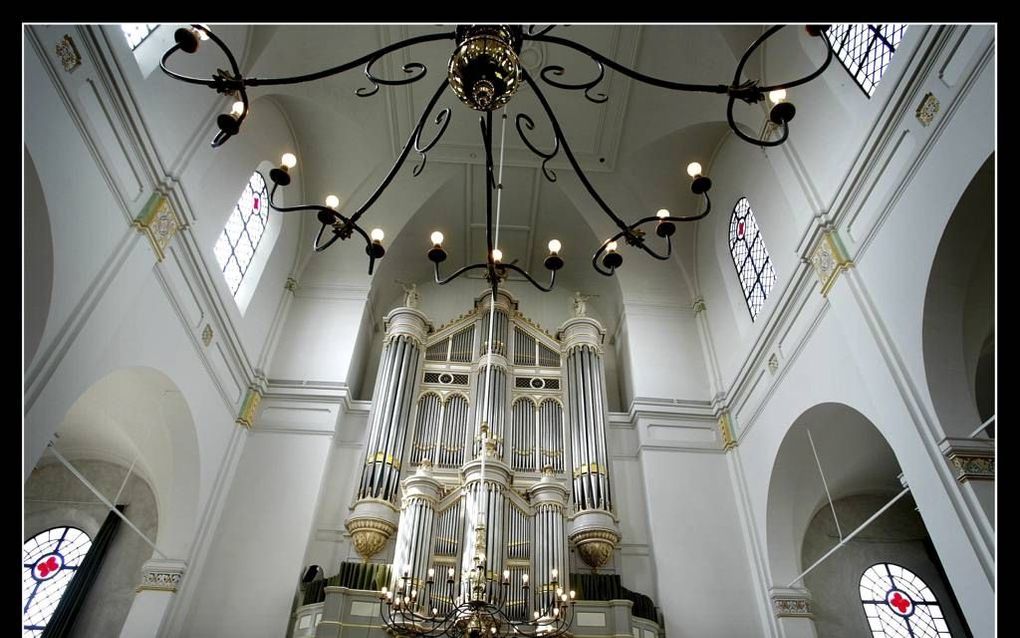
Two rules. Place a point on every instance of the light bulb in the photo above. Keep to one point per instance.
(332, 201)
(506, 574)
(437, 239)
(238, 108)
(492, 629)
(777, 96)
(559, 591)
(536, 615)
(563, 597)
(432, 572)
(449, 572)
(663, 213)
(572, 594)
(414, 594)
(497, 254)
(377, 234)
(384, 589)
(694, 169)
(289, 160)
(202, 32)
(554, 246)
(611, 247)
(556, 612)
(524, 579)
(434, 611)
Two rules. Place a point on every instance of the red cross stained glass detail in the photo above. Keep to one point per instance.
(50, 560)
(48, 566)
(235, 249)
(898, 603)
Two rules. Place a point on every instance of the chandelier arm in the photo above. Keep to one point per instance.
(217, 82)
(518, 269)
(458, 273)
(616, 66)
(555, 69)
(570, 154)
(443, 121)
(365, 59)
(763, 143)
(403, 153)
(532, 32)
(530, 125)
(793, 83)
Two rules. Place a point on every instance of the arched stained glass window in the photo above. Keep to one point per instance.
(243, 232)
(754, 266)
(865, 50)
(898, 603)
(50, 560)
(136, 33)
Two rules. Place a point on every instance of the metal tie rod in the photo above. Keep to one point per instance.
(850, 535)
(102, 498)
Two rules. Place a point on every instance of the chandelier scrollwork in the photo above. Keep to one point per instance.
(484, 72)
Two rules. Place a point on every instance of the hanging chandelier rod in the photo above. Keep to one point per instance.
(482, 94)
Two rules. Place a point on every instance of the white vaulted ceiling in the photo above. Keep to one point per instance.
(634, 148)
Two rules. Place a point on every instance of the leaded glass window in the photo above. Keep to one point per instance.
(751, 258)
(50, 559)
(243, 232)
(865, 50)
(136, 33)
(898, 604)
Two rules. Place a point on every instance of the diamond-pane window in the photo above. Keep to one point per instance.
(49, 561)
(898, 603)
(751, 258)
(243, 231)
(136, 33)
(865, 50)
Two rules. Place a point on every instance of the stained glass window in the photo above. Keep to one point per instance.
(754, 266)
(243, 232)
(136, 33)
(898, 604)
(50, 560)
(865, 50)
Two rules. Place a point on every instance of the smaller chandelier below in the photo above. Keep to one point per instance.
(484, 69)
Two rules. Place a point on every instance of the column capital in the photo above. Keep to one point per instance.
(970, 458)
(578, 331)
(162, 574)
(407, 321)
(791, 602)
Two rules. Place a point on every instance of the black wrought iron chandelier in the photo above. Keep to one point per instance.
(485, 73)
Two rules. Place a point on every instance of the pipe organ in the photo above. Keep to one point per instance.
(435, 421)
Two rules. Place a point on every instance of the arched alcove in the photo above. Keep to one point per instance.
(958, 325)
(856, 459)
(38, 271)
(137, 418)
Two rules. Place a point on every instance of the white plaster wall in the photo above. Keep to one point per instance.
(700, 559)
(663, 353)
(54, 498)
(318, 337)
(254, 562)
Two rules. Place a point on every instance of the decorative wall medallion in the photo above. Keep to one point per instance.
(249, 408)
(698, 305)
(207, 335)
(290, 284)
(828, 260)
(159, 222)
(161, 575)
(927, 109)
(727, 433)
(773, 363)
(68, 53)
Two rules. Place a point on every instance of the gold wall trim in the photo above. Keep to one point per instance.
(159, 222)
(729, 442)
(828, 258)
(68, 53)
(249, 408)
